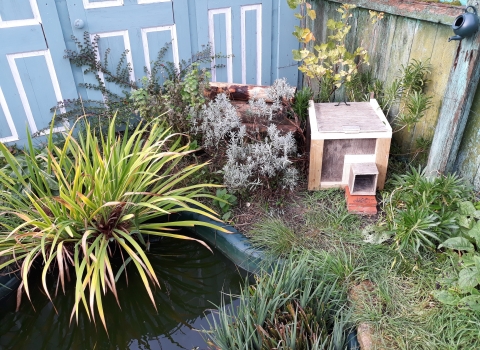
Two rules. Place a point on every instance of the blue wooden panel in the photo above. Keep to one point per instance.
(220, 43)
(187, 35)
(156, 41)
(236, 43)
(202, 20)
(66, 29)
(38, 86)
(21, 39)
(116, 46)
(11, 10)
(33, 39)
(5, 130)
(12, 100)
(251, 47)
(53, 35)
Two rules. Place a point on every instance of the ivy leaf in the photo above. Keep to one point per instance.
(458, 243)
(312, 14)
(472, 302)
(298, 15)
(445, 297)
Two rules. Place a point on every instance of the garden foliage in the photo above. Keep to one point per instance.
(438, 214)
(329, 64)
(249, 158)
(421, 211)
(167, 91)
(73, 208)
(460, 284)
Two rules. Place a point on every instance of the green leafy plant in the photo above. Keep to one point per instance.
(330, 62)
(300, 105)
(360, 87)
(112, 193)
(461, 281)
(405, 101)
(420, 212)
(225, 201)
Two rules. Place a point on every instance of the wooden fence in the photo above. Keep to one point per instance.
(419, 30)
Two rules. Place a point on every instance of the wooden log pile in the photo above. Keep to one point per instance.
(240, 94)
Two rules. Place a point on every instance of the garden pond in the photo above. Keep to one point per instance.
(192, 280)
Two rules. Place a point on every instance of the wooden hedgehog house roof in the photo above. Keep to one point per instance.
(356, 120)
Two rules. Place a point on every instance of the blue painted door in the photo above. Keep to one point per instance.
(254, 34)
(33, 73)
(142, 27)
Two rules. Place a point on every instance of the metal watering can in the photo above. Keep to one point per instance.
(465, 25)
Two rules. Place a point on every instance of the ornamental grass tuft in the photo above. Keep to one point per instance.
(295, 304)
(94, 197)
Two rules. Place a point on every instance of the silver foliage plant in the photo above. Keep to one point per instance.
(249, 160)
(215, 121)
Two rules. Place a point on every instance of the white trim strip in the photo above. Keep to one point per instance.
(173, 35)
(95, 5)
(211, 37)
(24, 22)
(258, 9)
(21, 89)
(126, 43)
(8, 117)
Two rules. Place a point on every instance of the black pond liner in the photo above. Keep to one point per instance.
(8, 284)
(237, 248)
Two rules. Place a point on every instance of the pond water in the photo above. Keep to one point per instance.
(191, 278)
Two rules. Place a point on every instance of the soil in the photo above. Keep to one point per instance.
(285, 204)
(288, 205)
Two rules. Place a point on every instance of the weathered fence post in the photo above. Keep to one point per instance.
(457, 101)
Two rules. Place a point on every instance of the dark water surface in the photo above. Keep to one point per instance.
(191, 279)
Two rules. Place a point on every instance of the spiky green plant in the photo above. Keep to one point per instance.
(111, 192)
(273, 235)
(296, 305)
(420, 210)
